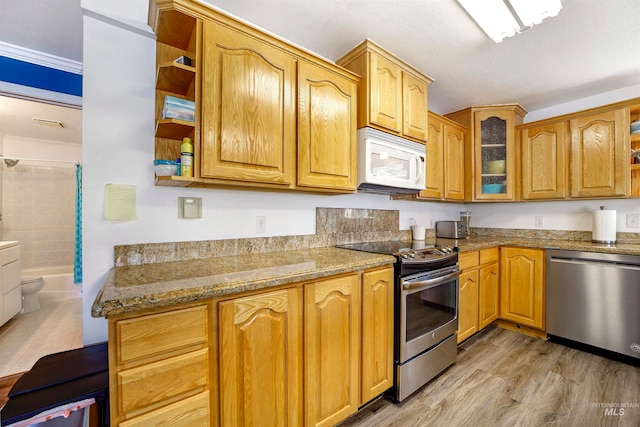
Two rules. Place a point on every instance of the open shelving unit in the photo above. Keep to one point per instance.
(178, 34)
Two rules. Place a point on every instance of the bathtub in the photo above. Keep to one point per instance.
(58, 282)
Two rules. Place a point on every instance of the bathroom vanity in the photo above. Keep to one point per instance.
(10, 294)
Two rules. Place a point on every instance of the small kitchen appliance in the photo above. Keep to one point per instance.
(452, 229)
(426, 311)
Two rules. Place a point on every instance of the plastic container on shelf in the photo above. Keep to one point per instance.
(165, 167)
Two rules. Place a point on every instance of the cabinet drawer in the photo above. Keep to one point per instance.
(140, 387)
(468, 259)
(159, 333)
(193, 411)
(489, 255)
(10, 276)
(10, 254)
(11, 304)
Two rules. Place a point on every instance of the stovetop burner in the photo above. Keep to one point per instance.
(405, 251)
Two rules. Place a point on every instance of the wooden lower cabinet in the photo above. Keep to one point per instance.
(260, 357)
(522, 286)
(468, 305)
(377, 333)
(306, 354)
(332, 353)
(159, 368)
(478, 297)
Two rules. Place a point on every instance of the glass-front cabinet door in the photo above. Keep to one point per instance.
(494, 154)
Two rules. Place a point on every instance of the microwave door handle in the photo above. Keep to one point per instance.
(418, 168)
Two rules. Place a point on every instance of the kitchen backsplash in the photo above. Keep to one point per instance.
(333, 226)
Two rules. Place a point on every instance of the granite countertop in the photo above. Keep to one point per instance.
(477, 243)
(138, 287)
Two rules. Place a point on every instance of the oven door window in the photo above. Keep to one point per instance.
(429, 309)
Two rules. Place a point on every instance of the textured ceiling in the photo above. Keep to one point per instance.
(591, 47)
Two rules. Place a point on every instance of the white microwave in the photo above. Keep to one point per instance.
(388, 164)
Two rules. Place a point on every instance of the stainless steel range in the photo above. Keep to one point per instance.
(426, 311)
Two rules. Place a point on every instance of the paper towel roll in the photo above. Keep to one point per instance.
(604, 226)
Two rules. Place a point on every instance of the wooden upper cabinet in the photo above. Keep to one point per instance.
(332, 356)
(386, 93)
(600, 154)
(444, 176)
(392, 95)
(434, 165)
(453, 162)
(544, 161)
(489, 144)
(522, 287)
(249, 119)
(414, 111)
(327, 144)
(261, 359)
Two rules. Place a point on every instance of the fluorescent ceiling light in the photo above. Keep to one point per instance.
(506, 18)
(47, 122)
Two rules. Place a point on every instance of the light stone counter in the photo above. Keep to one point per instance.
(484, 242)
(138, 287)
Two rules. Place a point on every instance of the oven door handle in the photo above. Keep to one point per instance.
(430, 283)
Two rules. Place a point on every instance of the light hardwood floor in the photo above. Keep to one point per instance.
(503, 378)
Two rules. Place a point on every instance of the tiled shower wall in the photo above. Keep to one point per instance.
(38, 210)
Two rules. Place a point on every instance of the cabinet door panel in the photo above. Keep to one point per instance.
(326, 129)
(377, 333)
(453, 163)
(599, 159)
(488, 295)
(522, 286)
(260, 359)
(468, 304)
(332, 331)
(414, 111)
(543, 162)
(494, 140)
(248, 109)
(386, 93)
(435, 163)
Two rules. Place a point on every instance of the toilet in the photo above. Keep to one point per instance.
(30, 286)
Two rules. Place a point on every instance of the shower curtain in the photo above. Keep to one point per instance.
(77, 258)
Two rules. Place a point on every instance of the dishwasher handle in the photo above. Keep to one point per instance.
(601, 263)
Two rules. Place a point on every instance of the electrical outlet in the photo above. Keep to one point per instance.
(633, 220)
(261, 224)
(539, 220)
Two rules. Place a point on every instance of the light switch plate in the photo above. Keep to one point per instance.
(189, 207)
(539, 220)
(633, 220)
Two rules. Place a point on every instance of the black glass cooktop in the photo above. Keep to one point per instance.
(386, 247)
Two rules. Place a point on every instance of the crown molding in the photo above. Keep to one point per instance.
(40, 58)
(39, 95)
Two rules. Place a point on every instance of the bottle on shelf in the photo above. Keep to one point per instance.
(186, 158)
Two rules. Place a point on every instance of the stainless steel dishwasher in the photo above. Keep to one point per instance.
(594, 298)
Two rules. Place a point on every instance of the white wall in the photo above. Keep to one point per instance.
(569, 215)
(584, 103)
(118, 126)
